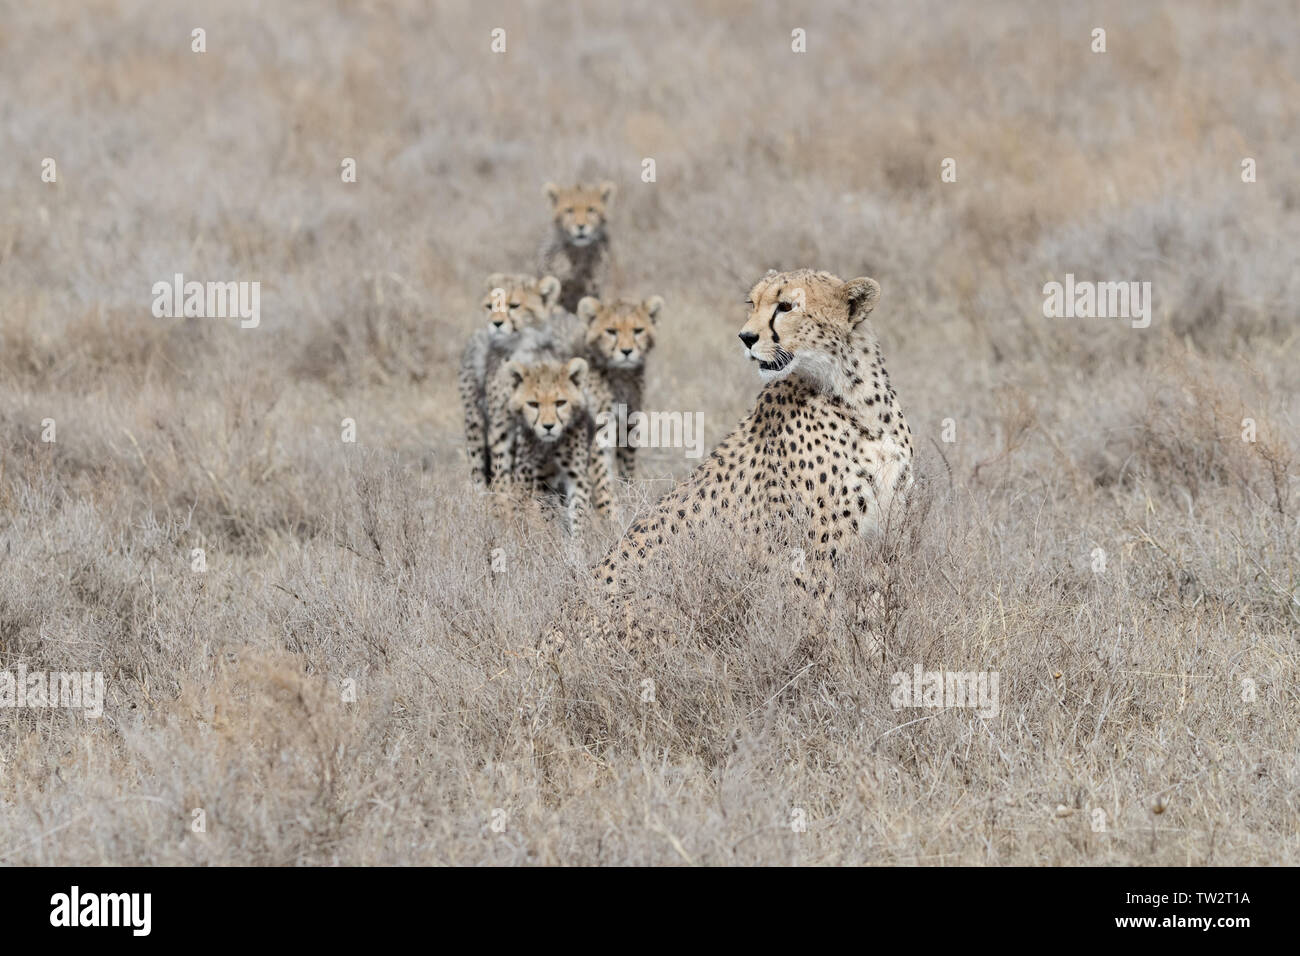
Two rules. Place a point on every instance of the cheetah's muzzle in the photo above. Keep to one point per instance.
(782, 359)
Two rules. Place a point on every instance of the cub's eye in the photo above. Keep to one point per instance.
(532, 404)
(784, 306)
(592, 210)
(637, 331)
(568, 210)
(611, 331)
(560, 402)
(515, 305)
(749, 302)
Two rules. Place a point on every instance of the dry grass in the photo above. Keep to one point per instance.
(1120, 690)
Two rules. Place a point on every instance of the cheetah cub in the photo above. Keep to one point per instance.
(511, 304)
(619, 337)
(551, 433)
(557, 340)
(577, 248)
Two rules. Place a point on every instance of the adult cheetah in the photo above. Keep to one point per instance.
(823, 457)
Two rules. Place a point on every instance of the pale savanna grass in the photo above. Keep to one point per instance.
(1098, 533)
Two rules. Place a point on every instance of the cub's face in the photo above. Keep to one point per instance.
(621, 333)
(514, 302)
(579, 211)
(548, 395)
(802, 319)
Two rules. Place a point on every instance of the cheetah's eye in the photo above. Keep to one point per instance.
(611, 331)
(568, 210)
(591, 210)
(532, 404)
(784, 307)
(637, 331)
(515, 305)
(561, 402)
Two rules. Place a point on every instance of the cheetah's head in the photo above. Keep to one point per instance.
(579, 211)
(620, 333)
(548, 396)
(806, 323)
(514, 302)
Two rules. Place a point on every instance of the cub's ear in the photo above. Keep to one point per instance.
(588, 308)
(549, 289)
(577, 371)
(607, 190)
(652, 306)
(550, 191)
(862, 294)
(516, 373)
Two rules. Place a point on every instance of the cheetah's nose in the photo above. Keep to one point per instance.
(548, 425)
(627, 351)
(749, 338)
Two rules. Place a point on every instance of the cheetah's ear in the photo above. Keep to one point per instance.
(862, 294)
(607, 190)
(588, 308)
(652, 306)
(516, 373)
(550, 191)
(577, 371)
(548, 287)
